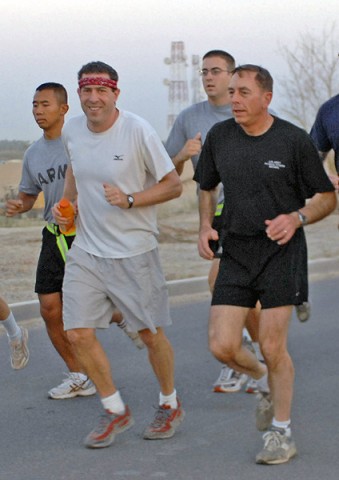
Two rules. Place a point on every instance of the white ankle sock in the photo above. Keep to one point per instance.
(285, 425)
(114, 403)
(263, 384)
(80, 375)
(12, 328)
(170, 400)
(258, 352)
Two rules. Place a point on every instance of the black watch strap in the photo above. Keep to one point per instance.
(130, 200)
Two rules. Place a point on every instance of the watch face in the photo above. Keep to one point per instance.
(302, 218)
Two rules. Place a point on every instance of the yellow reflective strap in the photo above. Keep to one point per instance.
(218, 210)
(62, 245)
(51, 227)
(60, 239)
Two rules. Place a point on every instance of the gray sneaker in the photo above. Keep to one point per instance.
(109, 426)
(303, 311)
(264, 411)
(72, 386)
(278, 447)
(19, 350)
(165, 422)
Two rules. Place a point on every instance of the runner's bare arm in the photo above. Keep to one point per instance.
(23, 203)
(70, 189)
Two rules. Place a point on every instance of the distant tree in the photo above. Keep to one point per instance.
(13, 144)
(13, 149)
(313, 75)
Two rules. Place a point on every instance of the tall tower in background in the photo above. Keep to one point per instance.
(198, 94)
(177, 82)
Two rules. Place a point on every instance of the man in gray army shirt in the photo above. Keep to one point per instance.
(44, 167)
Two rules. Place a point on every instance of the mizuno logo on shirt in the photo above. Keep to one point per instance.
(118, 157)
(277, 165)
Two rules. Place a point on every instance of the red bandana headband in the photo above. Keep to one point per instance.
(105, 82)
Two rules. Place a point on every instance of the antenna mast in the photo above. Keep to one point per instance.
(177, 83)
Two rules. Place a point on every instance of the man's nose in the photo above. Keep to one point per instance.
(93, 96)
(235, 98)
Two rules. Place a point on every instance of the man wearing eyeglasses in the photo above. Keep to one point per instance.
(268, 168)
(192, 124)
(184, 143)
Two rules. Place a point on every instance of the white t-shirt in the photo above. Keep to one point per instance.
(129, 155)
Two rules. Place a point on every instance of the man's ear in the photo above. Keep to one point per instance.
(268, 97)
(117, 93)
(64, 108)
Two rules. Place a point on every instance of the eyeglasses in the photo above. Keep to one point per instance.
(214, 71)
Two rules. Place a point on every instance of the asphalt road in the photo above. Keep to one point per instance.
(41, 438)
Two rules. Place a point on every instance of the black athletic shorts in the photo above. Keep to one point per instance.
(256, 268)
(51, 266)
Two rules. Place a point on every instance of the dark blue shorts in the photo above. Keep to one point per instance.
(256, 268)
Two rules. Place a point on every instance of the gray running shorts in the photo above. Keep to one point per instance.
(93, 287)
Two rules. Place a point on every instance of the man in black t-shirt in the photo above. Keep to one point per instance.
(268, 168)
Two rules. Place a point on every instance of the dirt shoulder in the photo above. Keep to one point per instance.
(178, 226)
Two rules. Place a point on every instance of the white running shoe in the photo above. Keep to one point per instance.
(247, 342)
(72, 386)
(229, 381)
(252, 386)
(19, 350)
(134, 336)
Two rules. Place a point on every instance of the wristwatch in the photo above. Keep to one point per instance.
(130, 200)
(302, 218)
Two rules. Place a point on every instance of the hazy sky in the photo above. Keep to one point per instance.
(50, 41)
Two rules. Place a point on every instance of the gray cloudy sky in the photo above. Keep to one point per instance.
(52, 39)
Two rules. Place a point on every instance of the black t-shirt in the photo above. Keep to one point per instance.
(263, 176)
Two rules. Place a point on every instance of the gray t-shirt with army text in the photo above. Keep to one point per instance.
(44, 168)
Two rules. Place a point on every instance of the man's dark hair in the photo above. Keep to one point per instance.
(263, 76)
(58, 89)
(222, 54)
(98, 67)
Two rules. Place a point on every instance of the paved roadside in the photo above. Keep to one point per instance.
(42, 439)
(182, 289)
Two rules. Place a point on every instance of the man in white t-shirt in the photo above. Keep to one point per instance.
(119, 170)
